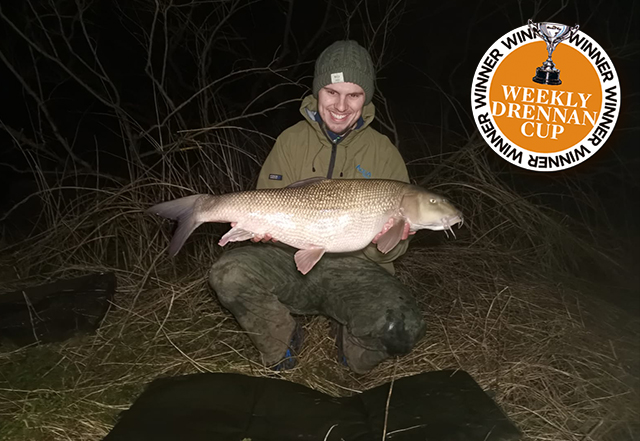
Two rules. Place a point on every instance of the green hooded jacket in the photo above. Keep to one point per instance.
(304, 151)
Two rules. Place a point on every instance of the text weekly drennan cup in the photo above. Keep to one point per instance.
(545, 96)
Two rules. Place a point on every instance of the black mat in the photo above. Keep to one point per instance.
(56, 311)
(433, 406)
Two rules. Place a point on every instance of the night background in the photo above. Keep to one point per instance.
(108, 107)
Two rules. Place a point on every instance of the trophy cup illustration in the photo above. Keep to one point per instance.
(553, 34)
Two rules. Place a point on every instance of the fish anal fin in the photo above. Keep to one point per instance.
(391, 237)
(305, 182)
(306, 259)
(235, 235)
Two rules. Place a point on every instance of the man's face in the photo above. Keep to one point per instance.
(340, 105)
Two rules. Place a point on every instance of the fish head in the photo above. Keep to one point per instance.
(427, 210)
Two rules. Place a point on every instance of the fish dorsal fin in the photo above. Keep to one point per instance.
(305, 182)
(306, 259)
(391, 237)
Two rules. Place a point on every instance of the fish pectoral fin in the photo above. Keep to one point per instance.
(391, 237)
(235, 235)
(306, 259)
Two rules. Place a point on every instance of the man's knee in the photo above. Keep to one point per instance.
(230, 272)
(246, 269)
(402, 330)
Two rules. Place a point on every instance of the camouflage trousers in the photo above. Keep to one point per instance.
(262, 288)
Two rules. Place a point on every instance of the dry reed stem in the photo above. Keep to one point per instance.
(563, 365)
(555, 376)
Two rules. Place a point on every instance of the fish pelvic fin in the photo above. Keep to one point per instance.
(391, 237)
(183, 211)
(306, 259)
(235, 235)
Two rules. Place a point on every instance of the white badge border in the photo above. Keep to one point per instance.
(526, 155)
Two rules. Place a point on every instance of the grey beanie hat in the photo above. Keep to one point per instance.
(345, 61)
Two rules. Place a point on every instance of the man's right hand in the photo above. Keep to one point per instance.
(259, 238)
(264, 239)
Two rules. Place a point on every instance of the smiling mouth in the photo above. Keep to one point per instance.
(338, 117)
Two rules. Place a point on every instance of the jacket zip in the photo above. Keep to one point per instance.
(332, 161)
(334, 147)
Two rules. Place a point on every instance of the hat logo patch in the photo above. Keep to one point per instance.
(337, 77)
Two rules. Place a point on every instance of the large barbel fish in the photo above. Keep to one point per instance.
(316, 215)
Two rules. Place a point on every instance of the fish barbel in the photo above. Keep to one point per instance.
(316, 215)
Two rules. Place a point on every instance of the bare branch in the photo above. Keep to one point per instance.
(43, 108)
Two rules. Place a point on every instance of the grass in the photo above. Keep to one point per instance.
(498, 302)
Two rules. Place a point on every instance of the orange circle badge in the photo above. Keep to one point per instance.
(545, 97)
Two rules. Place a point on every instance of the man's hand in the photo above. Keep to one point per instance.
(405, 234)
(257, 237)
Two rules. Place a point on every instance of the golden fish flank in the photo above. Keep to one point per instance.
(316, 215)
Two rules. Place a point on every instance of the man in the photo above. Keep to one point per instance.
(374, 315)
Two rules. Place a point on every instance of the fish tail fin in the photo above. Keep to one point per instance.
(181, 210)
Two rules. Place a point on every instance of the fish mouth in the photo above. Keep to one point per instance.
(445, 223)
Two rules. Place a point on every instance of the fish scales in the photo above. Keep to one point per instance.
(316, 215)
(338, 216)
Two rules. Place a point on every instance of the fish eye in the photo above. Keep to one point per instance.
(432, 200)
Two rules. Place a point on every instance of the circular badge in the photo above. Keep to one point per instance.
(545, 97)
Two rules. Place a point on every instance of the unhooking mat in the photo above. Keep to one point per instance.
(432, 406)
